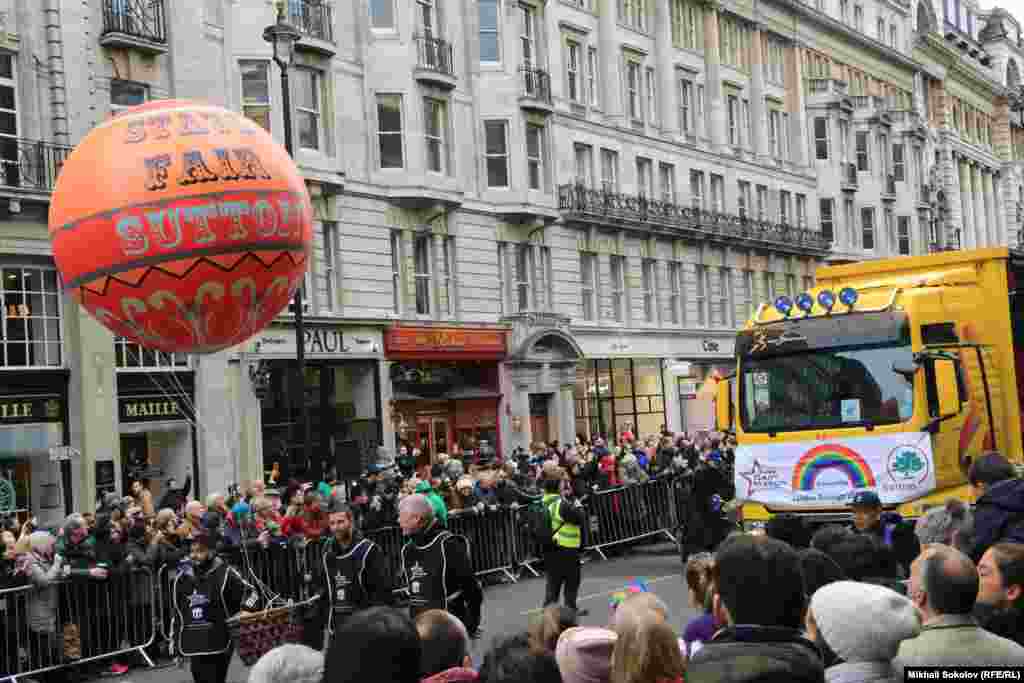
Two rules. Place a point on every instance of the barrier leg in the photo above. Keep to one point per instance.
(528, 566)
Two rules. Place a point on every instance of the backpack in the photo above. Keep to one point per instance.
(539, 525)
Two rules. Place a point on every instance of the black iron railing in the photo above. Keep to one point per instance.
(31, 164)
(435, 54)
(144, 19)
(313, 17)
(578, 202)
(536, 83)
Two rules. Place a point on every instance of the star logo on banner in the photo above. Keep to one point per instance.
(759, 477)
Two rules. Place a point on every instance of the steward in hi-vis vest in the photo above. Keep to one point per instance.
(355, 570)
(436, 567)
(562, 556)
(207, 592)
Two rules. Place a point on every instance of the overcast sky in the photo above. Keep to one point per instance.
(1016, 7)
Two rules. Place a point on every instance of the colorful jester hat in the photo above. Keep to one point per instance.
(633, 587)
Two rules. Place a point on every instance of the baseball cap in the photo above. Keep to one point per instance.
(866, 499)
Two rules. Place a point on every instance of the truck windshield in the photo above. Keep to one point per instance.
(827, 388)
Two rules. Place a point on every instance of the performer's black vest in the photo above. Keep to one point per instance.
(344, 570)
(200, 612)
(424, 569)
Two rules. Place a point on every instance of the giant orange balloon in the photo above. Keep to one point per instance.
(182, 226)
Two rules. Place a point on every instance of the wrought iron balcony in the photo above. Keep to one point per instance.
(315, 19)
(435, 61)
(889, 188)
(31, 166)
(849, 179)
(582, 204)
(138, 24)
(536, 89)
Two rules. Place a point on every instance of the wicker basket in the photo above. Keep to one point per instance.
(261, 632)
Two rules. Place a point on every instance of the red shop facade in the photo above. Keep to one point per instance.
(445, 393)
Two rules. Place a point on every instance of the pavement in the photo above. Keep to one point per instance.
(508, 607)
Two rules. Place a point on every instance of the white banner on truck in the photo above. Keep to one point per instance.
(898, 467)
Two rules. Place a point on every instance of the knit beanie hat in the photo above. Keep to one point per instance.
(862, 622)
(584, 654)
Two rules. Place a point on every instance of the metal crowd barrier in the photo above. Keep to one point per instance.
(629, 513)
(491, 537)
(75, 621)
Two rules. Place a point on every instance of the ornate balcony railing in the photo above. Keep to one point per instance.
(536, 84)
(31, 165)
(313, 17)
(435, 54)
(142, 19)
(581, 203)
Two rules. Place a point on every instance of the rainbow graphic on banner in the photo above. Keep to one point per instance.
(832, 457)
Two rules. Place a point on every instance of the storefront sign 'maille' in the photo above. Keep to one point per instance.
(445, 342)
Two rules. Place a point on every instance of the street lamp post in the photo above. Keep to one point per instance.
(283, 36)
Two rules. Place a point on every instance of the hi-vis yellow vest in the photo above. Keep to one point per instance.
(567, 535)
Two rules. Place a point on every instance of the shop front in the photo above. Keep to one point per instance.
(35, 473)
(341, 389)
(156, 424)
(693, 378)
(445, 388)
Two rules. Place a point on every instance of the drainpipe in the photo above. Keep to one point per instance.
(55, 62)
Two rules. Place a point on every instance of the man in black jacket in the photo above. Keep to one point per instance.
(888, 527)
(436, 567)
(999, 512)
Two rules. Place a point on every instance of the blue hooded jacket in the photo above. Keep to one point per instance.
(999, 516)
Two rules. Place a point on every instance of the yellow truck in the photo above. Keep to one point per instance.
(889, 375)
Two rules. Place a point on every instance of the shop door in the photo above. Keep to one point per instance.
(539, 429)
(134, 459)
(431, 438)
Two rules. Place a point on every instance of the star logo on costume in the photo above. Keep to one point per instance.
(761, 478)
(197, 599)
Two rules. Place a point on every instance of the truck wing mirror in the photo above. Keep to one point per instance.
(723, 405)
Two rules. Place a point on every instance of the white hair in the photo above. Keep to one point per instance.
(289, 663)
(418, 504)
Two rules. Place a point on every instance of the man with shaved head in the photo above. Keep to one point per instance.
(944, 587)
(435, 565)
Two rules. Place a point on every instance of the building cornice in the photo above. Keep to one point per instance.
(951, 60)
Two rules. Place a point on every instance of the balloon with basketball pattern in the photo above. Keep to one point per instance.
(181, 225)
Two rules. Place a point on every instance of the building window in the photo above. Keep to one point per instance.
(633, 89)
(734, 120)
(784, 213)
(649, 282)
(396, 271)
(697, 189)
(725, 296)
(584, 165)
(748, 293)
(592, 68)
(435, 132)
(496, 139)
(652, 98)
(490, 43)
(31, 304)
(825, 217)
(844, 10)
(685, 105)
(687, 24)
(673, 291)
(801, 211)
(762, 202)
(618, 283)
(717, 193)
(903, 235)
(389, 131)
(775, 133)
(332, 253)
(747, 124)
(307, 108)
(633, 13)
(883, 155)
(858, 18)
(881, 30)
(535, 156)
(129, 355)
(667, 180)
(893, 41)
(898, 163)
(572, 70)
(698, 107)
(421, 273)
(701, 295)
(609, 170)
(821, 137)
(787, 153)
(743, 197)
(382, 14)
(588, 262)
(126, 94)
(867, 219)
(255, 91)
(448, 281)
(644, 179)
(522, 278)
(863, 157)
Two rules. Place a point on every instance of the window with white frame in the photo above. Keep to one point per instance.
(633, 13)
(592, 68)
(422, 253)
(685, 105)
(396, 271)
(649, 282)
(784, 208)
(528, 35)
(256, 91)
(332, 252)
(644, 178)
(821, 146)
(717, 193)
(701, 295)
(652, 97)
(743, 197)
(863, 155)
(633, 90)
(667, 182)
(435, 116)
(893, 37)
(858, 18)
(572, 70)
(502, 278)
(725, 297)
(889, 231)
(123, 94)
(867, 220)
(787, 152)
(697, 189)
(30, 298)
(496, 153)
(903, 235)
(880, 27)
(588, 276)
(389, 131)
(584, 155)
(733, 112)
(698, 107)
(899, 168)
(535, 156)
(825, 208)
(844, 11)
(775, 133)
(673, 292)
(801, 210)
(523, 281)
(687, 24)
(308, 97)
(762, 202)
(844, 140)
(490, 41)
(748, 293)
(449, 286)
(746, 123)
(609, 170)
(382, 14)
(883, 155)
(129, 355)
(618, 286)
